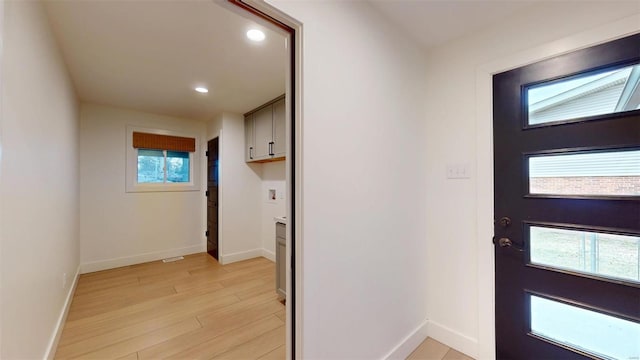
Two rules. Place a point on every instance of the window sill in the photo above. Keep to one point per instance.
(135, 188)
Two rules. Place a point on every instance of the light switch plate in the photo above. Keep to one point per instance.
(458, 171)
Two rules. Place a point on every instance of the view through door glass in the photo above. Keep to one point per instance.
(567, 205)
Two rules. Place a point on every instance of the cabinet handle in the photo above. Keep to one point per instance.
(250, 152)
(271, 148)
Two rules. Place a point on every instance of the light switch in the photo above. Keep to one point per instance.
(458, 171)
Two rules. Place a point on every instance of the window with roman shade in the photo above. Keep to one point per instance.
(158, 160)
(163, 142)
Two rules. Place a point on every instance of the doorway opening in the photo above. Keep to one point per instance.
(177, 63)
(288, 27)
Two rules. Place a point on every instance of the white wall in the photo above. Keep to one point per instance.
(240, 188)
(363, 230)
(40, 183)
(119, 228)
(273, 177)
(459, 256)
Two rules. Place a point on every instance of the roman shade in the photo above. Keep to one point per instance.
(163, 142)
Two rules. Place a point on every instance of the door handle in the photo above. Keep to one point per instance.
(507, 243)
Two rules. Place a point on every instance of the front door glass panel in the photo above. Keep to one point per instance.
(602, 335)
(595, 253)
(596, 173)
(584, 95)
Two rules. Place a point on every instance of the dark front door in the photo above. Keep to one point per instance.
(567, 206)
(212, 197)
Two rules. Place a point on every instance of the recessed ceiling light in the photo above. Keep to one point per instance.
(255, 35)
(202, 90)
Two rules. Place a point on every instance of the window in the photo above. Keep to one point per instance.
(597, 333)
(596, 173)
(163, 166)
(584, 95)
(159, 160)
(596, 253)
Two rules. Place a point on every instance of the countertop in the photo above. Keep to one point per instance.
(281, 219)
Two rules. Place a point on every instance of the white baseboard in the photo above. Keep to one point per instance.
(453, 339)
(138, 259)
(409, 343)
(239, 256)
(57, 331)
(269, 255)
(438, 332)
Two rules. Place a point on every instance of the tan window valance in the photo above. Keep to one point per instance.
(163, 142)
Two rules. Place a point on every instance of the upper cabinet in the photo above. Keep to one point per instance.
(265, 132)
(249, 138)
(279, 147)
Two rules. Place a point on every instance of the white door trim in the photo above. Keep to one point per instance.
(1, 144)
(484, 157)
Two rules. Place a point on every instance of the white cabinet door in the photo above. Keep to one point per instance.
(249, 139)
(279, 133)
(263, 125)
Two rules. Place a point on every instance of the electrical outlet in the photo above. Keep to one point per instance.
(64, 280)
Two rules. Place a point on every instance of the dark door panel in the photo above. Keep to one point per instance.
(212, 197)
(536, 304)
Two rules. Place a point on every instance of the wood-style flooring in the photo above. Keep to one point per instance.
(193, 308)
(189, 309)
(433, 350)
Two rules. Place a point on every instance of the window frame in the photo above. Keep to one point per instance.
(132, 184)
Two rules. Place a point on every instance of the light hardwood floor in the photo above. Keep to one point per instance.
(193, 308)
(433, 350)
(189, 309)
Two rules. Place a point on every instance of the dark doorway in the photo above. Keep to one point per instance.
(212, 197)
(567, 205)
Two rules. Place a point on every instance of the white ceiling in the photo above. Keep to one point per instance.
(434, 22)
(149, 55)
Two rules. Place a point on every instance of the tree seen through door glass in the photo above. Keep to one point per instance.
(585, 95)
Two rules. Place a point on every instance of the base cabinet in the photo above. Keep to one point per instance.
(281, 260)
